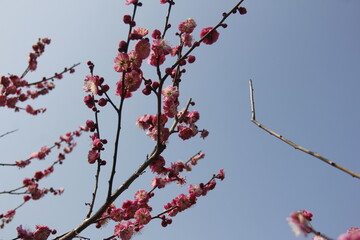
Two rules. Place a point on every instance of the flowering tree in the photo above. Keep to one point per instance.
(173, 117)
(170, 118)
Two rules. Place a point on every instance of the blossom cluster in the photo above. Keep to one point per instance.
(41, 233)
(299, 222)
(15, 89)
(68, 139)
(32, 184)
(137, 209)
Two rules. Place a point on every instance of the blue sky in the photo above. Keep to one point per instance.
(303, 58)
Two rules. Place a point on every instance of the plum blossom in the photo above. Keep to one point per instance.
(121, 62)
(351, 234)
(187, 26)
(128, 2)
(132, 82)
(42, 232)
(300, 222)
(142, 48)
(91, 84)
(211, 38)
(142, 216)
(124, 230)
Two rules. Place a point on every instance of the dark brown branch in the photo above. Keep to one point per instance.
(294, 145)
(177, 119)
(88, 221)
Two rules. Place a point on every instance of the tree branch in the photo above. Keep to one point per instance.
(294, 145)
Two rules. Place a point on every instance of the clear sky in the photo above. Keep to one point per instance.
(303, 57)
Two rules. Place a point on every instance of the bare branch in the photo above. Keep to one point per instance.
(294, 145)
(2, 135)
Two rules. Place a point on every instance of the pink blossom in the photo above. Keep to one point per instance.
(170, 94)
(156, 59)
(41, 232)
(141, 196)
(21, 163)
(32, 62)
(2, 100)
(187, 39)
(158, 182)
(211, 38)
(93, 155)
(163, 1)
(221, 175)
(351, 234)
(142, 216)
(132, 83)
(160, 47)
(29, 109)
(170, 109)
(142, 48)
(117, 214)
(186, 132)
(121, 62)
(242, 10)
(24, 234)
(10, 214)
(187, 26)
(131, 1)
(124, 230)
(182, 202)
(195, 159)
(195, 189)
(157, 165)
(141, 31)
(319, 238)
(191, 117)
(300, 222)
(144, 122)
(164, 134)
(204, 133)
(134, 60)
(91, 84)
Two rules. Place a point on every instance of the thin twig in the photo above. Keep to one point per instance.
(58, 74)
(97, 170)
(177, 119)
(166, 27)
(2, 135)
(294, 145)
